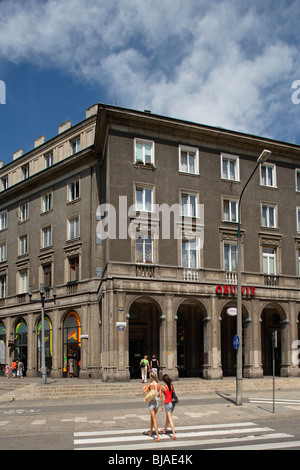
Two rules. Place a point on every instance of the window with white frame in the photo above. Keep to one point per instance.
(269, 261)
(4, 183)
(23, 281)
(73, 190)
(298, 218)
(47, 202)
(230, 256)
(189, 254)
(269, 215)
(46, 237)
(75, 145)
(3, 220)
(3, 252)
(230, 169)
(189, 205)
(23, 245)
(24, 211)
(297, 179)
(25, 171)
(188, 160)
(144, 151)
(268, 175)
(73, 227)
(143, 199)
(230, 210)
(144, 249)
(48, 160)
(2, 286)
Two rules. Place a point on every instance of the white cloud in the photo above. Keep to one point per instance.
(223, 63)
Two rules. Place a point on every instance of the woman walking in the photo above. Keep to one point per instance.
(167, 389)
(153, 405)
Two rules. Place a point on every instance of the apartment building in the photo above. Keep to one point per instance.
(130, 220)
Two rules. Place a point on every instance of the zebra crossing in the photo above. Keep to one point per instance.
(239, 435)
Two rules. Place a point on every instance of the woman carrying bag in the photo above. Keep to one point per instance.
(154, 390)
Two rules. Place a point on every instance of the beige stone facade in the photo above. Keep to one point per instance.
(120, 296)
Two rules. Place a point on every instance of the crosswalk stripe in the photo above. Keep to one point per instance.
(196, 435)
(277, 401)
(181, 444)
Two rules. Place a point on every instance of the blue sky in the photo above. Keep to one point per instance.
(228, 63)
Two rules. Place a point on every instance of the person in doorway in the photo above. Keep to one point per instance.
(154, 365)
(153, 405)
(144, 365)
(168, 389)
(7, 371)
(20, 370)
(14, 368)
(71, 367)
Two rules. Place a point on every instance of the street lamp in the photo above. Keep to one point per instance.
(43, 300)
(239, 357)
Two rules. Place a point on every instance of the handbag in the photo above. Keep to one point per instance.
(174, 398)
(150, 396)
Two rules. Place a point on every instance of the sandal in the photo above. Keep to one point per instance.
(163, 431)
(157, 439)
(173, 438)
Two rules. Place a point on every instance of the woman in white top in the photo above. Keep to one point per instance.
(153, 405)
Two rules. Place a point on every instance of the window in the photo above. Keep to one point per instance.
(74, 190)
(189, 254)
(47, 202)
(3, 220)
(298, 219)
(230, 167)
(297, 179)
(2, 287)
(189, 205)
(230, 257)
(4, 183)
(46, 237)
(144, 151)
(23, 281)
(3, 252)
(48, 160)
(47, 275)
(269, 261)
(188, 160)
(269, 216)
(24, 212)
(25, 171)
(74, 269)
(143, 199)
(268, 175)
(23, 245)
(230, 210)
(75, 145)
(73, 228)
(144, 250)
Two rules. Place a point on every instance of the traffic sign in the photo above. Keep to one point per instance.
(236, 342)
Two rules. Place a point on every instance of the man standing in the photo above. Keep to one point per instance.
(144, 365)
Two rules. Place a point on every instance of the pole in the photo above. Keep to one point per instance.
(239, 353)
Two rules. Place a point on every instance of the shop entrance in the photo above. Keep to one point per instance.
(20, 349)
(71, 345)
(143, 333)
(190, 339)
(270, 322)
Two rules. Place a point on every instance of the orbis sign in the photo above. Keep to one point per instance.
(231, 290)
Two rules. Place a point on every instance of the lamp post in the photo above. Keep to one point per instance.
(239, 356)
(43, 300)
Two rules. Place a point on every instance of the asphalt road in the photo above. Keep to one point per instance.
(116, 427)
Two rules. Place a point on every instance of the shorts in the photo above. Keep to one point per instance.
(153, 405)
(169, 406)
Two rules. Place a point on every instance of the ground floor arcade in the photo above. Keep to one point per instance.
(190, 333)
